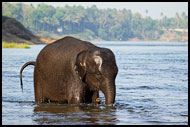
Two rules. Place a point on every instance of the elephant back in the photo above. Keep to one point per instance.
(56, 61)
(66, 48)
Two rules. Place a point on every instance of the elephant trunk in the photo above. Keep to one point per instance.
(109, 91)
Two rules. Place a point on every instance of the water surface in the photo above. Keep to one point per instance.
(151, 88)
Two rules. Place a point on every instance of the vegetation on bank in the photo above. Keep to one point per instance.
(93, 23)
(14, 45)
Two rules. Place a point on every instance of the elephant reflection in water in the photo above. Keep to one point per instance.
(75, 114)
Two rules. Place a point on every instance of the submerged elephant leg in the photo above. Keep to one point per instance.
(74, 100)
(39, 98)
(38, 88)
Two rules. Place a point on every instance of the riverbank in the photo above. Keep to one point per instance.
(14, 45)
(168, 36)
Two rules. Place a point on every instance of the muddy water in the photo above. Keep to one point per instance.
(151, 88)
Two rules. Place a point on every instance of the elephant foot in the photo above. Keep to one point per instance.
(98, 100)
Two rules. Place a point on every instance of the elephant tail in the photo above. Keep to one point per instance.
(25, 65)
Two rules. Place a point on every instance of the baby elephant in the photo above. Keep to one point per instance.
(73, 71)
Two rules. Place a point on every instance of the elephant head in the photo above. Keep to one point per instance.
(97, 68)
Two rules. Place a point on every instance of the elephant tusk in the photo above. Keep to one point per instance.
(98, 100)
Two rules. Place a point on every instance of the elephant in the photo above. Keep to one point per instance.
(73, 71)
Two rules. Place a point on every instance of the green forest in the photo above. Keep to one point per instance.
(91, 22)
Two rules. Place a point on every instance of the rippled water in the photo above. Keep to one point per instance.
(151, 88)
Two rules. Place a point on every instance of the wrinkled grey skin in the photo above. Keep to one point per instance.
(73, 71)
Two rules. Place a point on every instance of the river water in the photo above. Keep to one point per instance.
(151, 88)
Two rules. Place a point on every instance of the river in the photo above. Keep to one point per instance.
(151, 88)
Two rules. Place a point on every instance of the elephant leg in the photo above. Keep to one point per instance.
(39, 98)
(74, 100)
(38, 89)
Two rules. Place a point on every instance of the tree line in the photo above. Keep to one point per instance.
(107, 24)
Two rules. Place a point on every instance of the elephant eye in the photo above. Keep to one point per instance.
(98, 73)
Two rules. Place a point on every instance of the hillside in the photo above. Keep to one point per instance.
(14, 31)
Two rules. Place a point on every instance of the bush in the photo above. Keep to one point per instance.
(14, 45)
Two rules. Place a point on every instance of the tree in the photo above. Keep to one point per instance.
(108, 24)
(161, 14)
(146, 11)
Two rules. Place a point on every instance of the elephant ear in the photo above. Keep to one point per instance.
(80, 65)
(98, 61)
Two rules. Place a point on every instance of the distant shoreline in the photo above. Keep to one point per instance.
(141, 40)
